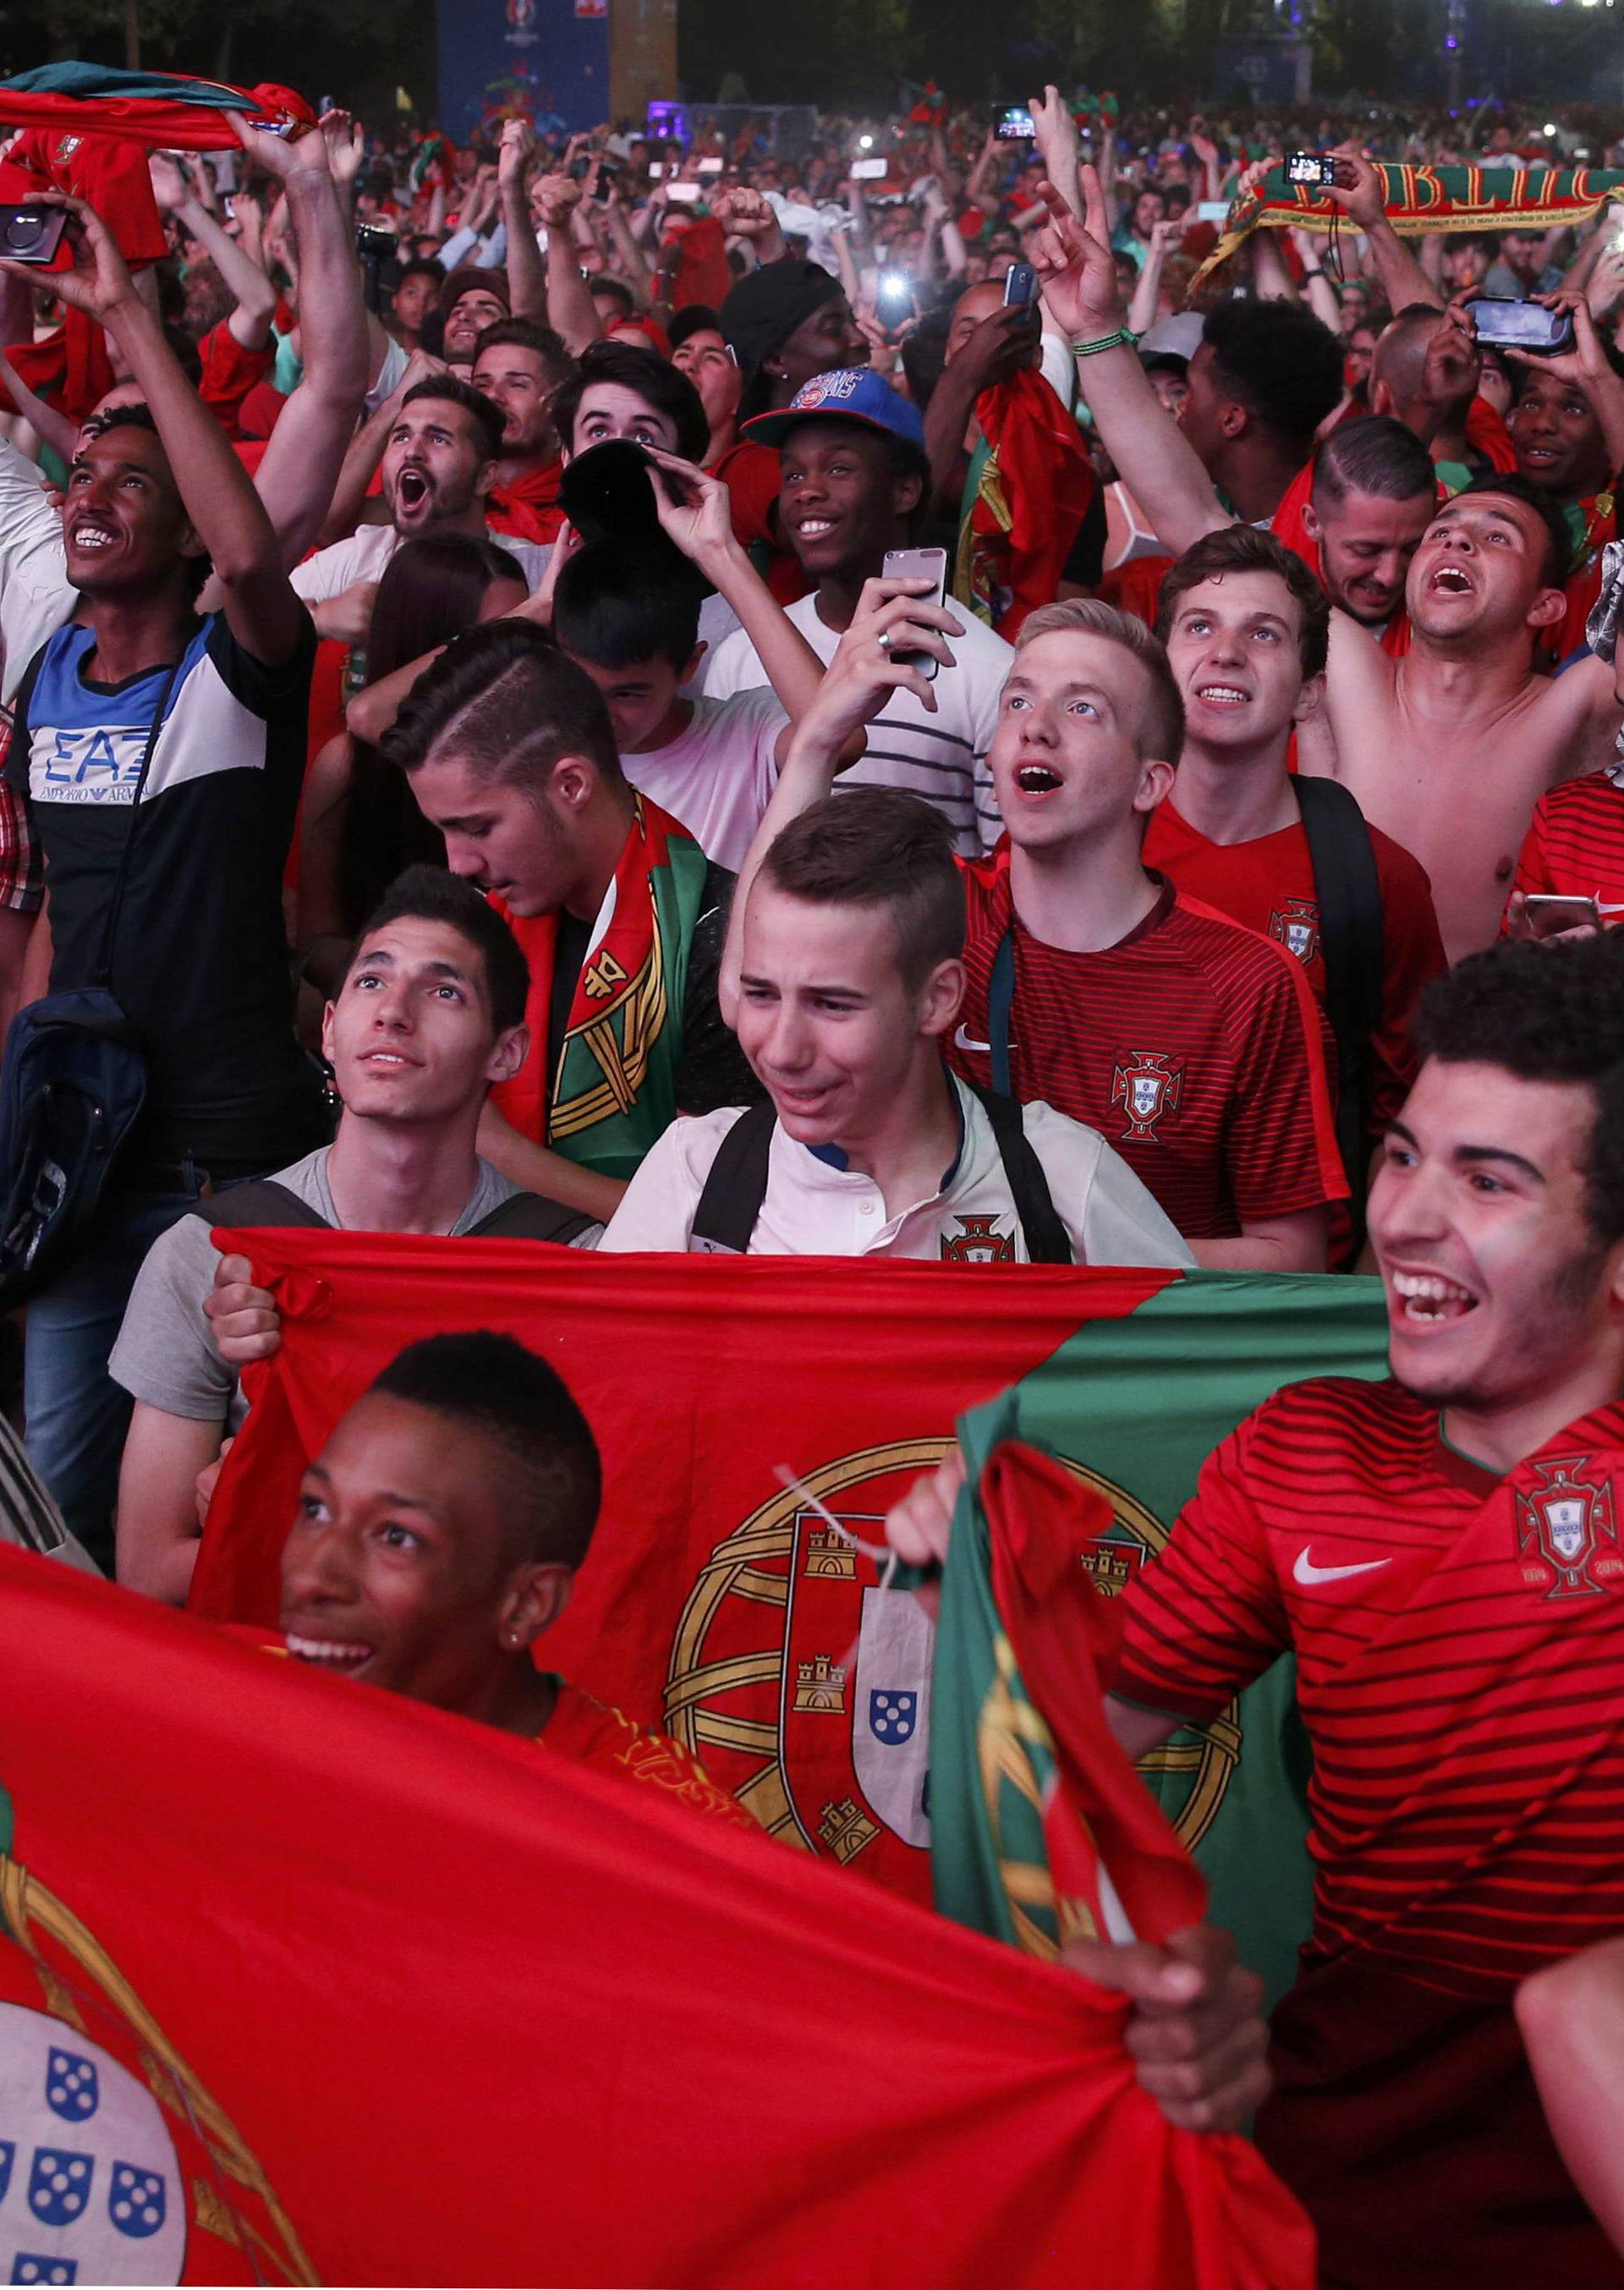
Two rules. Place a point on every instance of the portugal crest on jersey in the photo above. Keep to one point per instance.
(977, 1241)
(1146, 1090)
(1296, 925)
(1567, 1526)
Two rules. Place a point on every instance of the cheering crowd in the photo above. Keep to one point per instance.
(915, 697)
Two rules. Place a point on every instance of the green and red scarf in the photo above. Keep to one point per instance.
(613, 1089)
(1428, 198)
(1028, 489)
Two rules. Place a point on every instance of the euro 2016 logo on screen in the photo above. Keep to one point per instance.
(805, 1688)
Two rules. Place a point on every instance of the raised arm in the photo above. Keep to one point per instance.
(570, 309)
(854, 688)
(1358, 191)
(1057, 143)
(300, 470)
(1157, 462)
(526, 271)
(263, 613)
(250, 323)
(746, 213)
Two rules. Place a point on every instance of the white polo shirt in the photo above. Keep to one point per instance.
(815, 1207)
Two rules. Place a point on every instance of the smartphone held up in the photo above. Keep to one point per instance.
(918, 564)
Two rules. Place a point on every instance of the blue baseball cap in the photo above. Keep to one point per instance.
(847, 393)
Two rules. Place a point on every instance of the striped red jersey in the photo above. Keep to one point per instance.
(1194, 1047)
(1459, 1643)
(1267, 884)
(1575, 846)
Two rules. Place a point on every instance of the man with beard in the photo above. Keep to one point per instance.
(1440, 1550)
(1448, 747)
(439, 466)
(518, 365)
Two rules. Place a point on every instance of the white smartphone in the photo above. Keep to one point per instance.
(710, 166)
(683, 194)
(919, 565)
(870, 171)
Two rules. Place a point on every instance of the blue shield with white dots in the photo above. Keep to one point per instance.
(38, 2268)
(72, 2089)
(892, 1717)
(8, 2156)
(59, 2185)
(891, 1714)
(137, 2200)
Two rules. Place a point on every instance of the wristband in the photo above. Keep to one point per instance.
(1315, 273)
(1122, 339)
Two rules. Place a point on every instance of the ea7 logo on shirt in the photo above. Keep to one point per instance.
(69, 764)
(1146, 1090)
(977, 1241)
(1296, 925)
(1568, 1523)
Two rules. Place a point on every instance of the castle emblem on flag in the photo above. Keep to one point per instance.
(1568, 1523)
(1296, 925)
(1146, 1090)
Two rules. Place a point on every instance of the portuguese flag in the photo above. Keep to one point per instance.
(719, 1604)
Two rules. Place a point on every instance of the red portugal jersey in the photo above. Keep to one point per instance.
(1195, 1049)
(592, 1733)
(1268, 884)
(1575, 846)
(1460, 1645)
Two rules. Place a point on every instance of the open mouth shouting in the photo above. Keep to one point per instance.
(1428, 1300)
(1452, 581)
(413, 489)
(1037, 779)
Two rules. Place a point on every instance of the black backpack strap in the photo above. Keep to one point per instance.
(1349, 892)
(260, 1201)
(736, 1187)
(1047, 1240)
(531, 1216)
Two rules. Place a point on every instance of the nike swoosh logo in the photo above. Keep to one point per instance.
(1308, 1574)
(962, 1040)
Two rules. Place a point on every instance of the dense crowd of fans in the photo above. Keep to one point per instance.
(684, 695)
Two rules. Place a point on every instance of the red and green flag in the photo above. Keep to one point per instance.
(720, 1605)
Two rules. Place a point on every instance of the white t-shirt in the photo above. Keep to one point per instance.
(35, 594)
(814, 1208)
(717, 778)
(942, 758)
(363, 555)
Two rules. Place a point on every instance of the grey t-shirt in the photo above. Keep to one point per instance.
(165, 1353)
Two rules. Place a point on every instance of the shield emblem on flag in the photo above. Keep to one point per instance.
(891, 1736)
(1566, 1523)
(71, 2088)
(1147, 1095)
(58, 2185)
(137, 2200)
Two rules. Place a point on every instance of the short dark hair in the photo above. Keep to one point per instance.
(616, 291)
(136, 415)
(420, 267)
(482, 410)
(656, 381)
(432, 894)
(1400, 355)
(511, 702)
(526, 334)
(1279, 362)
(1243, 549)
(872, 846)
(1550, 1013)
(623, 600)
(692, 318)
(495, 1385)
(1558, 558)
(1375, 455)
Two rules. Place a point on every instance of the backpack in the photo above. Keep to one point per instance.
(736, 1186)
(74, 1086)
(261, 1200)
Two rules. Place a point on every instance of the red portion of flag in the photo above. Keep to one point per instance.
(715, 1604)
(384, 1996)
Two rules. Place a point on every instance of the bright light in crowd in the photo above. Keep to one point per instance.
(865, 142)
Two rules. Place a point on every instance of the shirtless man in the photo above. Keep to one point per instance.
(1449, 748)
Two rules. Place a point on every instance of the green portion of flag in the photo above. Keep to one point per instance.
(87, 82)
(1135, 1407)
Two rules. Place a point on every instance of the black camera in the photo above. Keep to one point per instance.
(31, 234)
(1308, 167)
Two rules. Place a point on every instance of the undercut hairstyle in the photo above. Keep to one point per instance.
(655, 379)
(620, 601)
(525, 335)
(1375, 456)
(1558, 558)
(493, 1385)
(431, 894)
(506, 699)
(1279, 362)
(482, 410)
(871, 846)
(1161, 725)
(1551, 1012)
(1243, 549)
